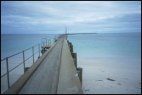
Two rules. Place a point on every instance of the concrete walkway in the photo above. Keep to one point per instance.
(53, 73)
(45, 78)
(69, 82)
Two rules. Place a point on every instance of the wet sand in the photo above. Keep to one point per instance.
(106, 77)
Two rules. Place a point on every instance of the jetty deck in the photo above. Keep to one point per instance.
(53, 73)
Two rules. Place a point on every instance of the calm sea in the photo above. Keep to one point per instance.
(13, 43)
(107, 45)
(126, 45)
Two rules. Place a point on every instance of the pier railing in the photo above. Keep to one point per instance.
(22, 60)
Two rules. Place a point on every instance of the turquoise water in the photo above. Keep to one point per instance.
(124, 45)
(107, 45)
(13, 43)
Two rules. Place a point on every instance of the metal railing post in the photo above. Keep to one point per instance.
(23, 53)
(33, 54)
(46, 42)
(39, 49)
(24, 60)
(50, 42)
(8, 82)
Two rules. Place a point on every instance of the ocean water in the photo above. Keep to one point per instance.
(13, 43)
(126, 45)
(103, 55)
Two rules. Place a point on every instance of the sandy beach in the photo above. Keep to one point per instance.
(106, 77)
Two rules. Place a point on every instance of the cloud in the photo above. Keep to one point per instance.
(69, 13)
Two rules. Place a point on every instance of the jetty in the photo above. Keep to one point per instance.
(54, 72)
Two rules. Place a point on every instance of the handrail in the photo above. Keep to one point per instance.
(18, 52)
(8, 70)
(3, 59)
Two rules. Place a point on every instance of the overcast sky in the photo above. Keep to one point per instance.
(79, 16)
